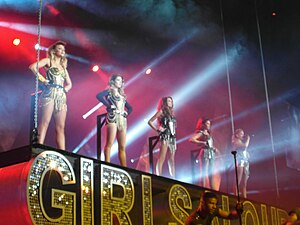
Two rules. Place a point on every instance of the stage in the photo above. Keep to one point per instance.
(44, 185)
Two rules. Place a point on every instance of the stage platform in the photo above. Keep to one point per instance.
(43, 185)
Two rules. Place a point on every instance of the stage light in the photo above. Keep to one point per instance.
(139, 74)
(37, 46)
(274, 14)
(16, 41)
(148, 71)
(171, 50)
(53, 10)
(95, 68)
(162, 57)
(85, 140)
(86, 115)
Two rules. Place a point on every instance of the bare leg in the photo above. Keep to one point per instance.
(216, 181)
(240, 174)
(60, 121)
(244, 185)
(121, 137)
(215, 178)
(111, 132)
(201, 168)
(171, 164)
(46, 114)
(162, 157)
(205, 173)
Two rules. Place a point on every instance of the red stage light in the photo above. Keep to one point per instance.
(53, 10)
(148, 71)
(16, 41)
(95, 68)
(274, 14)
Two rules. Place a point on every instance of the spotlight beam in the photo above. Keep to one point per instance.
(162, 57)
(91, 111)
(155, 62)
(136, 76)
(186, 93)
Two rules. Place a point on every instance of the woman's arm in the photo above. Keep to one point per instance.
(128, 108)
(151, 122)
(35, 70)
(195, 137)
(68, 82)
(238, 143)
(102, 98)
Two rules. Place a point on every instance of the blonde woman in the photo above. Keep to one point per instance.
(57, 84)
(240, 143)
(117, 109)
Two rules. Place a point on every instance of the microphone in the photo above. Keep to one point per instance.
(248, 135)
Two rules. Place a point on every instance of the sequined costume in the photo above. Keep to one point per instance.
(115, 107)
(207, 156)
(208, 151)
(169, 135)
(54, 91)
(242, 158)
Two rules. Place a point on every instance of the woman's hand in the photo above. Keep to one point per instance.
(111, 108)
(124, 114)
(160, 129)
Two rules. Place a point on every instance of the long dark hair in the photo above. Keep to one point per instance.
(201, 124)
(163, 106)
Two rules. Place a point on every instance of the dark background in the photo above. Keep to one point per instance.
(185, 44)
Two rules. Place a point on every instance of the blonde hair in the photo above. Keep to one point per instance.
(51, 53)
(112, 82)
(237, 131)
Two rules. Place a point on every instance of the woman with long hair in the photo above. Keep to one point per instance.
(56, 85)
(118, 109)
(166, 127)
(203, 138)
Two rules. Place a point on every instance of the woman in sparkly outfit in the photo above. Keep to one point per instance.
(166, 122)
(240, 143)
(118, 109)
(204, 139)
(53, 100)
